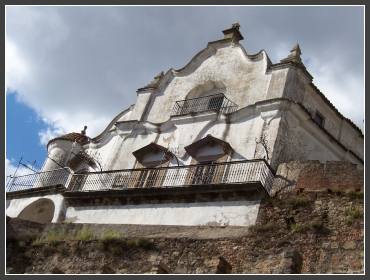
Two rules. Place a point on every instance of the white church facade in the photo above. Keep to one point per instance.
(198, 147)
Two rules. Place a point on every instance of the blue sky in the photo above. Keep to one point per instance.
(71, 66)
(22, 137)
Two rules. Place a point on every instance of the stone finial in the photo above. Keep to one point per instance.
(83, 132)
(233, 33)
(295, 55)
(155, 82)
(235, 25)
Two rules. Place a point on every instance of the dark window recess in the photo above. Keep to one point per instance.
(215, 102)
(319, 119)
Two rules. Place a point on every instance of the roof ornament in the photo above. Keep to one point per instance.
(233, 33)
(235, 25)
(295, 55)
(154, 84)
(83, 132)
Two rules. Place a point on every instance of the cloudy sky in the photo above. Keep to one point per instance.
(67, 67)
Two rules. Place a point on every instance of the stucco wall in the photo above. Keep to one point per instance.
(233, 213)
(16, 206)
(245, 80)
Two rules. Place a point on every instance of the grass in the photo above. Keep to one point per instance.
(263, 245)
(143, 242)
(38, 242)
(53, 237)
(110, 236)
(352, 193)
(298, 201)
(108, 239)
(298, 227)
(84, 234)
(21, 246)
(116, 244)
(352, 214)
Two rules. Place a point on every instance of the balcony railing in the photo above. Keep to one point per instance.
(202, 104)
(40, 179)
(167, 177)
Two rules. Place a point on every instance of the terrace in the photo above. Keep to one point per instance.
(227, 173)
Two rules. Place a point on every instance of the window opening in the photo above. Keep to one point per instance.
(319, 118)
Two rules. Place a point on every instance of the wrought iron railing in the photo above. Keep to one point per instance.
(39, 179)
(167, 177)
(206, 103)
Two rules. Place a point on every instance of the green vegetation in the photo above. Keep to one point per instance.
(113, 242)
(110, 237)
(263, 245)
(352, 214)
(53, 237)
(352, 193)
(84, 234)
(298, 201)
(38, 242)
(261, 228)
(298, 227)
(141, 242)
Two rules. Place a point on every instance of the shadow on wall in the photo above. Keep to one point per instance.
(40, 211)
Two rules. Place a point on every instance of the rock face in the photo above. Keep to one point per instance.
(315, 226)
(309, 232)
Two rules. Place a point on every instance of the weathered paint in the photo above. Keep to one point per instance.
(232, 213)
(274, 120)
(16, 206)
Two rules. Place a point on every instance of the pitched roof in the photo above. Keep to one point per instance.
(73, 136)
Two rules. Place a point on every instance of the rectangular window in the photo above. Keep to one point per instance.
(319, 119)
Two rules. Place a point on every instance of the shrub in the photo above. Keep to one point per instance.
(108, 238)
(298, 201)
(350, 193)
(335, 190)
(263, 245)
(21, 246)
(53, 237)
(352, 214)
(360, 194)
(38, 242)
(143, 242)
(297, 227)
(84, 234)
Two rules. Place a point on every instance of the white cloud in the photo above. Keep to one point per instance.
(79, 66)
(15, 66)
(12, 167)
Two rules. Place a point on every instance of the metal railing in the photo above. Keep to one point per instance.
(166, 177)
(39, 179)
(202, 104)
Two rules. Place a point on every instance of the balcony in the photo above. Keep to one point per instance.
(217, 102)
(227, 173)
